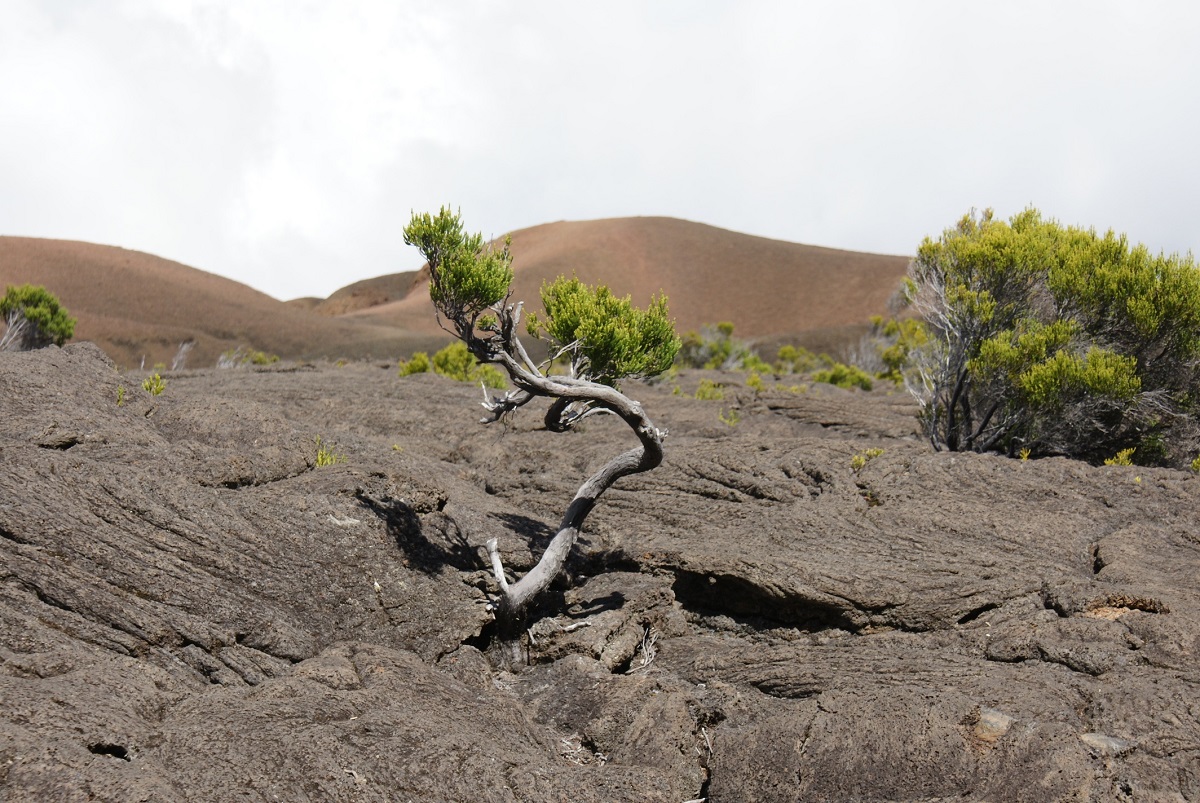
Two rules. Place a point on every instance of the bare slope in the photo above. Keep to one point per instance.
(768, 288)
(193, 610)
(137, 305)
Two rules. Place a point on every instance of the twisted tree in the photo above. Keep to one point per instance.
(603, 339)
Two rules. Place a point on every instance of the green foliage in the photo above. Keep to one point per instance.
(1121, 458)
(418, 363)
(892, 341)
(859, 461)
(606, 337)
(154, 385)
(1196, 465)
(244, 356)
(754, 382)
(1054, 338)
(466, 275)
(326, 456)
(844, 376)
(456, 362)
(613, 338)
(730, 417)
(798, 360)
(715, 348)
(47, 320)
(709, 391)
(120, 395)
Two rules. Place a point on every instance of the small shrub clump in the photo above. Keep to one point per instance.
(859, 461)
(799, 360)
(1121, 458)
(154, 385)
(710, 391)
(243, 356)
(715, 348)
(455, 362)
(844, 376)
(326, 456)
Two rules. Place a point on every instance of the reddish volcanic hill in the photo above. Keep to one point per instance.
(770, 289)
(136, 305)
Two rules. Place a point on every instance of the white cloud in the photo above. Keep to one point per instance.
(284, 144)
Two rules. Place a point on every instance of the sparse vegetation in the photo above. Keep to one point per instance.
(1053, 338)
(244, 356)
(844, 376)
(730, 417)
(120, 395)
(709, 390)
(799, 360)
(455, 362)
(604, 340)
(326, 456)
(154, 385)
(714, 347)
(33, 318)
(885, 349)
(1121, 458)
(859, 461)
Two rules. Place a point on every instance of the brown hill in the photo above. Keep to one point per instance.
(364, 294)
(771, 290)
(136, 305)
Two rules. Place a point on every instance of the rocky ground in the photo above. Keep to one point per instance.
(192, 610)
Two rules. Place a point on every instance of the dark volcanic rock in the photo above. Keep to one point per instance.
(191, 609)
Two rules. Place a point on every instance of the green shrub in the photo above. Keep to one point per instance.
(1121, 458)
(244, 356)
(730, 417)
(859, 461)
(616, 339)
(154, 385)
(715, 348)
(710, 391)
(34, 318)
(797, 360)
(890, 341)
(455, 362)
(418, 363)
(1054, 338)
(844, 376)
(326, 456)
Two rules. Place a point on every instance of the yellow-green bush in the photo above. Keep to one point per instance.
(1053, 338)
(844, 376)
(456, 362)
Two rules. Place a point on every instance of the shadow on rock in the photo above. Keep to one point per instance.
(448, 545)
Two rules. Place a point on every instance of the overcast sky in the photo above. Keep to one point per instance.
(285, 144)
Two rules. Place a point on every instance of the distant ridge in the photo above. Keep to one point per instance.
(770, 289)
(136, 305)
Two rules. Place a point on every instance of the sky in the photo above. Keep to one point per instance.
(285, 144)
